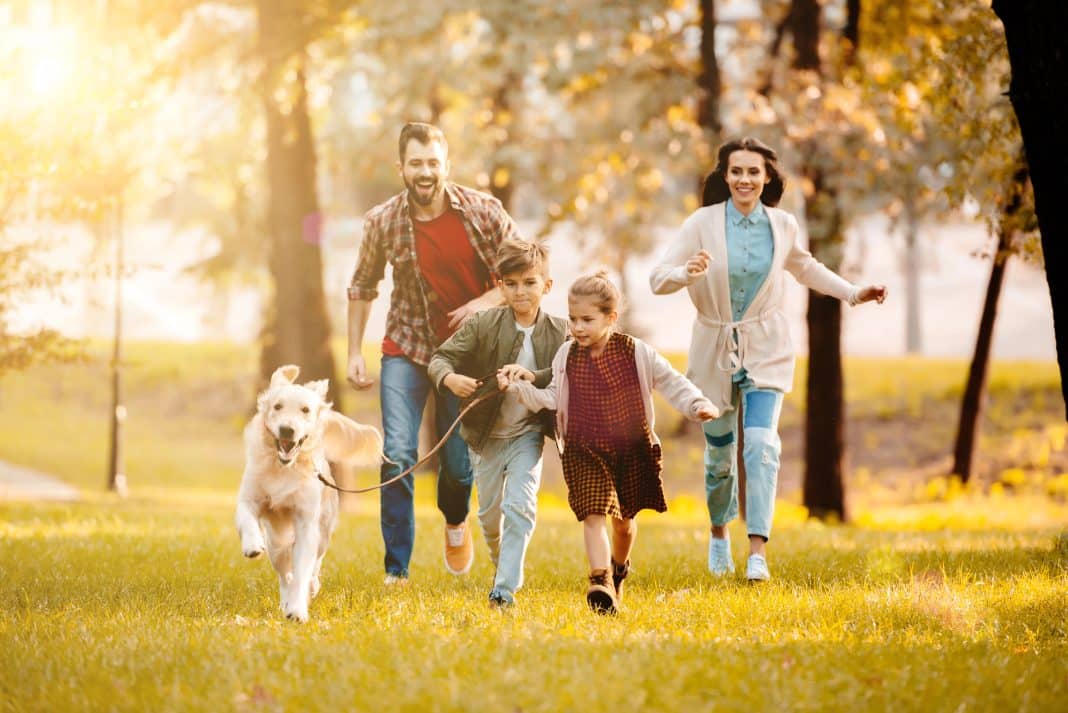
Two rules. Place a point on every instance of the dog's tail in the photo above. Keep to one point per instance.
(351, 443)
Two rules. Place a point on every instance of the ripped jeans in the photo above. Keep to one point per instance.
(760, 414)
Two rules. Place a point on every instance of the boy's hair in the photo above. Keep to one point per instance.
(516, 256)
(600, 288)
(425, 134)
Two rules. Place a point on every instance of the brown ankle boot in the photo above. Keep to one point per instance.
(619, 573)
(601, 596)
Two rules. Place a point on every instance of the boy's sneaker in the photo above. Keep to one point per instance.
(720, 562)
(500, 600)
(395, 580)
(619, 573)
(756, 569)
(459, 550)
(601, 596)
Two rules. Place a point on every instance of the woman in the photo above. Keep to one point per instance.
(730, 255)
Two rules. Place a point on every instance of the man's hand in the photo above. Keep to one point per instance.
(872, 292)
(461, 313)
(462, 386)
(357, 373)
(698, 264)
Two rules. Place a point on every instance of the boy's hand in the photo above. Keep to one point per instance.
(462, 386)
(707, 413)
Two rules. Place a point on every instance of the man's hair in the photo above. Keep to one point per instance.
(423, 133)
(517, 256)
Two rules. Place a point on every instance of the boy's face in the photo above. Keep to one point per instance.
(523, 290)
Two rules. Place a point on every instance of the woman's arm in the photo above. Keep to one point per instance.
(671, 273)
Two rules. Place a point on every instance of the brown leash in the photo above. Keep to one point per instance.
(425, 458)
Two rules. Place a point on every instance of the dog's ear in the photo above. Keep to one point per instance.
(285, 375)
(321, 387)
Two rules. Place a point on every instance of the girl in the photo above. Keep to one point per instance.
(730, 255)
(601, 390)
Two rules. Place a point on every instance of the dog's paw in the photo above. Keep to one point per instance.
(296, 613)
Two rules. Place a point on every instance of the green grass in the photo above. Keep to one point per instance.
(148, 605)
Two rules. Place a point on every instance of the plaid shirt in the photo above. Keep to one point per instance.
(388, 234)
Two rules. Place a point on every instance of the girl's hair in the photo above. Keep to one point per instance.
(599, 287)
(716, 190)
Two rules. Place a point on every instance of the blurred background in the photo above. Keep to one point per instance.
(182, 185)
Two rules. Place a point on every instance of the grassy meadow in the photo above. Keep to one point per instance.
(935, 597)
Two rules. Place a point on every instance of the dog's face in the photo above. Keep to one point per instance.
(291, 411)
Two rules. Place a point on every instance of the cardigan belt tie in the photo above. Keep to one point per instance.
(738, 334)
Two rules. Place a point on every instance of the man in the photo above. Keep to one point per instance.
(441, 239)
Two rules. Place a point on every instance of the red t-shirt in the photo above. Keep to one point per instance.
(452, 272)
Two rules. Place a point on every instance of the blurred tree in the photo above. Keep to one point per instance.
(1039, 55)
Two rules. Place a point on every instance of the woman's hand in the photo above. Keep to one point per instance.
(698, 264)
(871, 292)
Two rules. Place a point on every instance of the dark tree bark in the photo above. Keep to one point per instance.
(297, 327)
(1038, 53)
(824, 483)
(709, 86)
(975, 390)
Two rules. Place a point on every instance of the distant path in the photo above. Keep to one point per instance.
(19, 483)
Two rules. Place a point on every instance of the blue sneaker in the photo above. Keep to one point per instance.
(720, 562)
(756, 569)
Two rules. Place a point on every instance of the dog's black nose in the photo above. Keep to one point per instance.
(285, 433)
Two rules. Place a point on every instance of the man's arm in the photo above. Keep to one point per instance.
(356, 371)
(492, 298)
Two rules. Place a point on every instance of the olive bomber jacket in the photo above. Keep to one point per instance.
(484, 343)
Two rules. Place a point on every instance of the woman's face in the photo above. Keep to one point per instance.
(746, 178)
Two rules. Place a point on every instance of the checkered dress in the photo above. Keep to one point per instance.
(611, 465)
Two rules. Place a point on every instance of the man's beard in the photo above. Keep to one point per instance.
(414, 192)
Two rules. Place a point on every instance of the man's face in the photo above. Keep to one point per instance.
(424, 169)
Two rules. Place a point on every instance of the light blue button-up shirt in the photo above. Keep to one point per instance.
(750, 248)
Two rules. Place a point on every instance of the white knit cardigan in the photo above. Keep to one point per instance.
(760, 341)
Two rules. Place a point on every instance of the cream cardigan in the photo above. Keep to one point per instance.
(759, 342)
(654, 372)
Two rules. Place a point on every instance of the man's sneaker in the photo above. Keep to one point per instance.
(756, 569)
(601, 596)
(459, 551)
(619, 573)
(395, 580)
(720, 562)
(500, 600)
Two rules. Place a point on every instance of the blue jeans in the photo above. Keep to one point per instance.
(508, 473)
(405, 386)
(763, 447)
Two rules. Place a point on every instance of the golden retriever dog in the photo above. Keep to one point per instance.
(282, 507)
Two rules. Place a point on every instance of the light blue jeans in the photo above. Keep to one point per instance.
(508, 474)
(763, 447)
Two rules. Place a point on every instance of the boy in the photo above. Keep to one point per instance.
(505, 439)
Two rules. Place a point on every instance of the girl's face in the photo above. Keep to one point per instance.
(746, 178)
(589, 325)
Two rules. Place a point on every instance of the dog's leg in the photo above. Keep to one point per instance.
(305, 552)
(280, 549)
(248, 527)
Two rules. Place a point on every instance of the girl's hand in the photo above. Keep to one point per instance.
(515, 372)
(698, 264)
(707, 413)
(872, 292)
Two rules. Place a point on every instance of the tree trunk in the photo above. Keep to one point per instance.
(1038, 53)
(824, 491)
(913, 331)
(297, 327)
(708, 81)
(971, 405)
